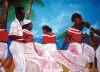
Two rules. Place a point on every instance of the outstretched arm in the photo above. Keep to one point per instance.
(92, 29)
(14, 37)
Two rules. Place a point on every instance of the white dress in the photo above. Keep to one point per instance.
(98, 58)
(34, 63)
(77, 55)
(45, 51)
(73, 61)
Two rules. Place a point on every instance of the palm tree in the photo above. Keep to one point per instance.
(5, 5)
(8, 7)
(27, 4)
(37, 2)
(29, 9)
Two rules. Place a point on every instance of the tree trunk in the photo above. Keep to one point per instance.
(29, 9)
(4, 13)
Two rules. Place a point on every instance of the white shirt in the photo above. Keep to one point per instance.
(16, 28)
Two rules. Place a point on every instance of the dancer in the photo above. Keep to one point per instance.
(78, 53)
(97, 32)
(34, 63)
(3, 45)
(16, 35)
(94, 44)
(46, 49)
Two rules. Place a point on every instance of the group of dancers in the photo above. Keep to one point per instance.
(30, 56)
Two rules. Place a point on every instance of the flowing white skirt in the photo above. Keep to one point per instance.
(3, 54)
(98, 58)
(45, 51)
(76, 57)
(34, 63)
(3, 50)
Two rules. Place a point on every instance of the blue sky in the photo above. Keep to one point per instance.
(57, 14)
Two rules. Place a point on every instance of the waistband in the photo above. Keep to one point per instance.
(20, 41)
(49, 43)
(2, 42)
(27, 42)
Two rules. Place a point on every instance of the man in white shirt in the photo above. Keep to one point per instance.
(16, 35)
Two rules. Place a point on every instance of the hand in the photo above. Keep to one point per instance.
(87, 24)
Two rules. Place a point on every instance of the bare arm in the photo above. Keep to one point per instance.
(65, 42)
(92, 29)
(14, 37)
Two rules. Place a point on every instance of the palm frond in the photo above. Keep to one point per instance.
(16, 3)
(32, 15)
(11, 13)
(39, 3)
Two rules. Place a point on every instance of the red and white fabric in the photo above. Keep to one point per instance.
(3, 46)
(72, 60)
(45, 50)
(34, 63)
(48, 39)
(74, 34)
(77, 55)
(16, 47)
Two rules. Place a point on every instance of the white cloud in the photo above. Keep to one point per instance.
(55, 23)
(96, 25)
(44, 21)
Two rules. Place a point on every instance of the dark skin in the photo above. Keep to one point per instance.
(77, 25)
(2, 26)
(94, 43)
(20, 16)
(48, 33)
(92, 29)
(30, 26)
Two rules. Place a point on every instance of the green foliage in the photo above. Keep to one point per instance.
(63, 35)
(32, 15)
(39, 3)
(11, 13)
(16, 3)
(23, 3)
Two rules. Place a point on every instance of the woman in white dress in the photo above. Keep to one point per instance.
(46, 49)
(78, 53)
(34, 63)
